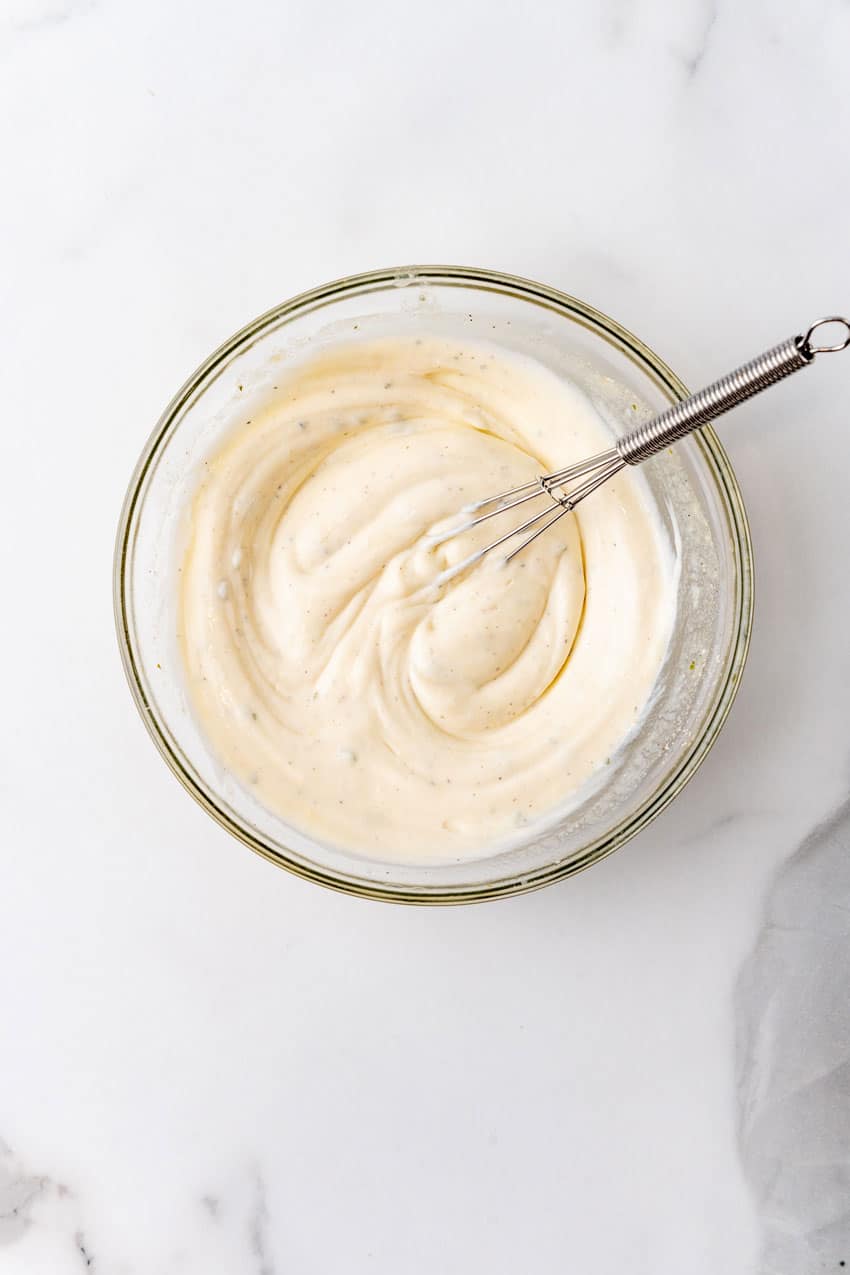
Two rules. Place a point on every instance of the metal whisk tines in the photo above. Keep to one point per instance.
(633, 448)
(595, 471)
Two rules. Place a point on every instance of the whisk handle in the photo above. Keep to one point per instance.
(753, 377)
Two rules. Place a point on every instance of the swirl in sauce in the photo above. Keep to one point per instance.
(364, 704)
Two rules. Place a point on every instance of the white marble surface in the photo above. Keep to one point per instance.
(210, 1068)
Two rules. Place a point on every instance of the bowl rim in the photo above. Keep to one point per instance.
(714, 456)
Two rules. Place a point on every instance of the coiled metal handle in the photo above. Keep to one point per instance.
(753, 377)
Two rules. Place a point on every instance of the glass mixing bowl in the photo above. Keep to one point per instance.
(693, 486)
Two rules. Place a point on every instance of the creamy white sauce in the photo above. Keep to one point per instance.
(365, 704)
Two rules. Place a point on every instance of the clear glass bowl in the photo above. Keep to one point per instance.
(693, 485)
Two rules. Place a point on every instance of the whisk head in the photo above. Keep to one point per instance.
(592, 472)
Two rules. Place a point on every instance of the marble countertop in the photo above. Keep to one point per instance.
(209, 1067)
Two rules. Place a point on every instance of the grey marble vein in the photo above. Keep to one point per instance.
(43, 17)
(259, 1228)
(694, 60)
(18, 1192)
(211, 1204)
(794, 1059)
(85, 1254)
(29, 1200)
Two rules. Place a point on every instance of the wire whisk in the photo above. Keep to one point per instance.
(566, 488)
